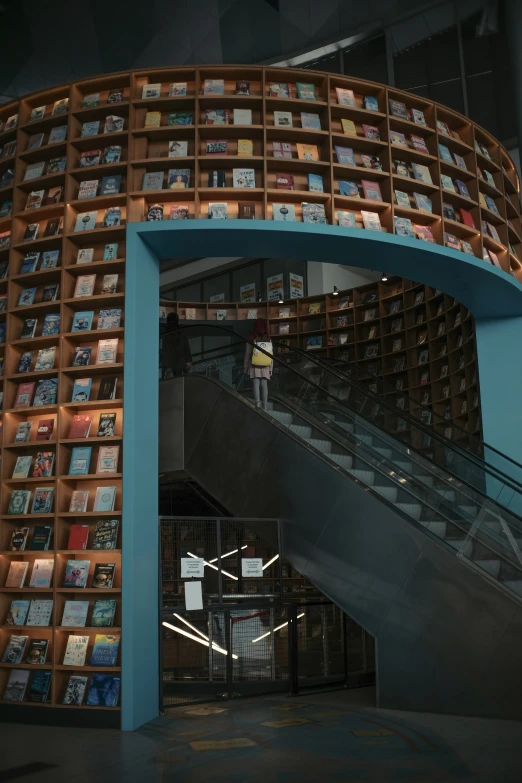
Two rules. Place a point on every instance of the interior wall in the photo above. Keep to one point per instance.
(322, 277)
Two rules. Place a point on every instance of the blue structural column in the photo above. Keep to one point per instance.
(140, 649)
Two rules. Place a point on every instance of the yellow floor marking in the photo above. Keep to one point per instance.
(221, 744)
(290, 706)
(280, 724)
(204, 710)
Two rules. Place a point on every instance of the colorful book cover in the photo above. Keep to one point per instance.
(42, 572)
(82, 321)
(17, 612)
(14, 652)
(105, 499)
(43, 465)
(82, 356)
(104, 690)
(75, 614)
(103, 576)
(81, 390)
(103, 613)
(105, 650)
(46, 392)
(76, 573)
(80, 461)
(76, 651)
(43, 500)
(313, 213)
(106, 534)
(17, 685)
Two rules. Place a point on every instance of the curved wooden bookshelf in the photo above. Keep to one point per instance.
(46, 128)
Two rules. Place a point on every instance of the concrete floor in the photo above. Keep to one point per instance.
(333, 736)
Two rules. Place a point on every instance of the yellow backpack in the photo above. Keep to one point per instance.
(260, 359)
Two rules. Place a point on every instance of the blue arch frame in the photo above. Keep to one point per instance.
(494, 298)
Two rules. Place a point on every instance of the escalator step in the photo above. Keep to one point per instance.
(384, 452)
(368, 439)
(411, 509)
(390, 493)
(448, 494)
(366, 476)
(437, 527)
(325, 446)
(344, 460)
(491, 566)
(428, 481)
(471, 511)
(282, 417)
(405, 466)
(302, 430)
(515, 585)
(345, 425)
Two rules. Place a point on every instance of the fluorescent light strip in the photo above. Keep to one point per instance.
(214, 559)
(275, 629)
(270, 562)
(231, 576)
(193, 627)
(200, 641)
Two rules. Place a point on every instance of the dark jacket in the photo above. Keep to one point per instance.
(175, 350)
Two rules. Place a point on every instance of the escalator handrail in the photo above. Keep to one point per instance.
(242, 340)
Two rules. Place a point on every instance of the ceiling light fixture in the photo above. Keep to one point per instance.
(197, 639)
(230, 576)
(275, 629)
(384, 277)
(270, 562)
(335, 291)
(281, 300)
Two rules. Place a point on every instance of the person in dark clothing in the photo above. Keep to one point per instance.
(176, 354)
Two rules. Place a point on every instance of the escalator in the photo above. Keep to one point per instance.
(395, 524)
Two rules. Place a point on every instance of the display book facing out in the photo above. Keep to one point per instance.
(417, 339)
(36, 606)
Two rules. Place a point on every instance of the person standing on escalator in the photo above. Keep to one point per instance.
(176, 354)
(257, 364)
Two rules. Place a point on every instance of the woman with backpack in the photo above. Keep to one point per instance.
(257, 364)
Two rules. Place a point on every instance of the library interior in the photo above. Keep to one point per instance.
(279, 431)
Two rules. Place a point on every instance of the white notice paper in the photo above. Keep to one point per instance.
(192, 566)
(251, 566)
(193, 595)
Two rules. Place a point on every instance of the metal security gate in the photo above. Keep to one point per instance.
(254, 635)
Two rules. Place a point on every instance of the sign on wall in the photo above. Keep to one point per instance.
(274, 287)
(217, 298)
(296, 286)
(252, 566)
(247, 293)
(192, 567)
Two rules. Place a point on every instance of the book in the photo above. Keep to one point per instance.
(243, 178)
(26, 297)
(109, 284)
(371, 190)
(217, 147)
(155, 212)
(19, 534)
(371, 132)
(36, 652)
(16, 574)
(106, 534)
(42, 573)
(281, 149)
(104, 690)
(31, 232)
(151, 90)
(305, 91)
(82, 321)
(217, 179)
(178, 149)
(217, 116)
(466, 247)
(107, 389)
(105, 650)
(214, 87)
(81, 390)
(310, 120)
(284, 212)
(345, 156)
(51, 324)
(80, 426)
(445, 154)
(423, 202)
(181, 118)
(80, 461)
(16, 685)
(86, 221)
(217, 211)
(371, 220)
(54, 195)
(107, 424)
(402, 199)
(283, 119)
(315, 183)
(247, 210)
(24, 395)
(397, 138)
(346, 219)
(78, 537)
(313, 213)
(90, 128)
(34, 199)
(84, 286)
(82, 356)
(104, 499)
(284, 181)
(178, 179)
(419, 144)
(450, 240)
(41, 537)
(463, 190)
(75, 691)
(417, 116)
(89, 101)
(113, 124)
(34, 171)
(108, 459)
(43, 465)
(57, 134)
(35, 141)
(103, 576)
(279, 90)
(43, 500)
(422, 173)
(424, 233)
(76, 651)
(56, 165)
(348, 127)
(17, 612)
(76, 573)
(23, 432)
(242, 116)
(45, 358)
(345, 97)
(403, 227)
(107, 351)
(21, 470)
(25, 361)
(75, 614)
(448, 211)
(46, 392)
(350, 189)
(111, 217)
(398, 109)
(39, 687)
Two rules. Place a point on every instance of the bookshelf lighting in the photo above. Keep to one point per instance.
(335, 291)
